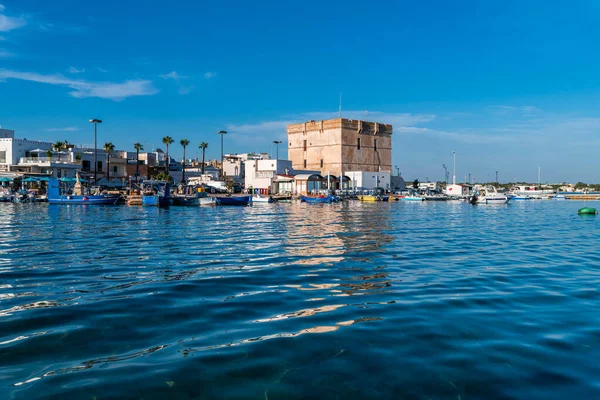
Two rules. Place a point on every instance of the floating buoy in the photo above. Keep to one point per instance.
(587, 211)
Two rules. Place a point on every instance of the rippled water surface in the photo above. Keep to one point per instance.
(292, 301)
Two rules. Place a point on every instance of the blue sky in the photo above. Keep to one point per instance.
(508, 85)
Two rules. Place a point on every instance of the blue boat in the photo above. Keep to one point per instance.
(156, 193)
(56, 197)
(318, 200)
(233, 201)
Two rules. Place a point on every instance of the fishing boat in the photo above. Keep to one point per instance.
(56, 196)
(185, 200)
(489, 195)
(262, 199)
(535, 192)
(156, 193)
(233, 201)
(317, 199)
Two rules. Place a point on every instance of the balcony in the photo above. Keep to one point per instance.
(47, 160)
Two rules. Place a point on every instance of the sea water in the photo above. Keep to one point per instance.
(297, 301)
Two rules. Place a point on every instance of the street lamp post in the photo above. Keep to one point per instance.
(95, 121)
(222, 133)
(445, 173)
(277, 143)
(454, 173)
(497, 178)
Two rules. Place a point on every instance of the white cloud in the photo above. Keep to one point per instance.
(6, 54)
(209, 75)
(173, 75)
(67, 129)
(74, 70)
(101, 70)
(9, 23)
(83, 88)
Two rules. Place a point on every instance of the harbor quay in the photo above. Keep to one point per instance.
(337, 159)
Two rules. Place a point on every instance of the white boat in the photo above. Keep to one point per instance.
(489, 195)
(257, 198)
(559, 197)
(520, 197)
(534, 192)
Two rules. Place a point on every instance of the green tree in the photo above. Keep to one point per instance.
(203, 146)
(184, 143)
(138, 147)
(167, 140)
(163, 177)
(58, 146)
(108, 148)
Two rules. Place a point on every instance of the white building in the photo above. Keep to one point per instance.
(368, 180)
(260, 174)
(33, 157)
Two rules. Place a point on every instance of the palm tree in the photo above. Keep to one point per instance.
(108, 148)
(203, 146)
(58, 146)
(167, 140)
(137, 147)
(184, 143)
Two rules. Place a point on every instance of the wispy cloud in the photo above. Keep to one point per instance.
(101, 70)
(74, 70)
(209, 75)
(176, 77)
(10, 23)
(67, 129)
(6, 54)
(81, 88)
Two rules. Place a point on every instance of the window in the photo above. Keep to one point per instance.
(305, 145)
(85, 166)
(114, 170)
(358, 143)
(99, 166)
(321, 163)
(3, 156)
(304, 163)
(375, 144)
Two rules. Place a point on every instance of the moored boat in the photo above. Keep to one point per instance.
(412, 198)
(156, 193)
(56, 197)
(262, 199)
(317, 199)
(233, 200)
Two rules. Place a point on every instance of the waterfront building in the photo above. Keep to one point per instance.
(368, 180)
(22, 156)
(261, 174)
(234, 165)
(338, 145)
(459, 189)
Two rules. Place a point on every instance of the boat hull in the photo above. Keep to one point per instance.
(156, 201)
(233, 201)
(317, 200)
(186, 201)
(108, 199)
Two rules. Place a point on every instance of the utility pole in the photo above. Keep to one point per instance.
(454, 174)
(445, 174)
(222, 133)
(95, 121)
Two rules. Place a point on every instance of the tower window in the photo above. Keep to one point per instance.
(375, 144)
(358, 143)
(304, 163)
(304, 145)
(321, 163)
